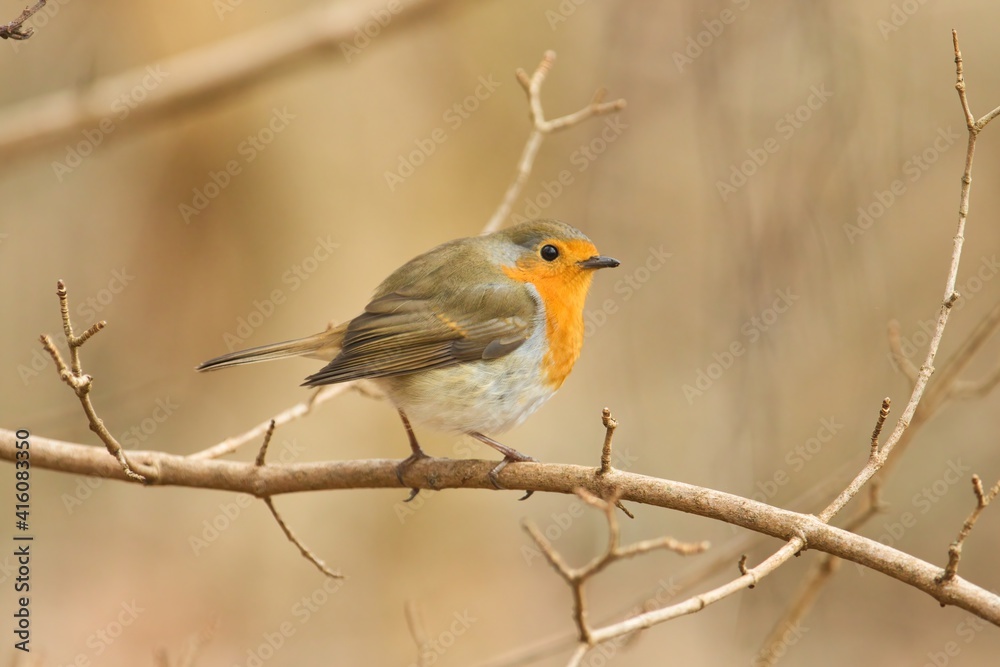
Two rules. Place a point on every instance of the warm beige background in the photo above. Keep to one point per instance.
(654, 186)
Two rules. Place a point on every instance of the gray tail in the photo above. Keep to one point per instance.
(323, 345)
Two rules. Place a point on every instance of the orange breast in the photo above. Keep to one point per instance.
(564, 294)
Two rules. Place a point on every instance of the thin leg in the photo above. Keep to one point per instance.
(509, 455)
(417, 454)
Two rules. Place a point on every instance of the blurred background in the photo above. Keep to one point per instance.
(782, 184)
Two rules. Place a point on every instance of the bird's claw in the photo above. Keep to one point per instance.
(402, 467)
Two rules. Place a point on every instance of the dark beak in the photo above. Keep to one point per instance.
(599, 262)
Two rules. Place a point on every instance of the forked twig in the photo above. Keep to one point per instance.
(80, 383)
(955, 549)
(540, 127)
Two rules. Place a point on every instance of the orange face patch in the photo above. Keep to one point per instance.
(562, 285)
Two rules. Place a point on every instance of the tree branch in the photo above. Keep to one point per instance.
(14, 29)
(540, 127)
(245, 477)
(196, 77)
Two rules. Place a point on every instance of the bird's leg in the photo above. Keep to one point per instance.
(509, 454)
(417, 454)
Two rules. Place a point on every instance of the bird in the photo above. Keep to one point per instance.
(470, 337)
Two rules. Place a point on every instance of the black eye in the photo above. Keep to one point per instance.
(549, 252)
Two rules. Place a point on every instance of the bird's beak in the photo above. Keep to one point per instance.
(598, 262)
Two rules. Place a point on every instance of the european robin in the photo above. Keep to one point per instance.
(470, 337)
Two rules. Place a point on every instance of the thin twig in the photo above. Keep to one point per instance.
(81, 384)
(540, 127)
(307, 553)
(13, 29)
(955, 550)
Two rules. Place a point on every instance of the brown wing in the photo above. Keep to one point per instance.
(398, 334)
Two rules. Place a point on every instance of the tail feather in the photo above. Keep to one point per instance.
(324, 345)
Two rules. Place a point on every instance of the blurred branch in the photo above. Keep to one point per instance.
(540, 127)
(271, 480)
(13, 29)
(196, 77)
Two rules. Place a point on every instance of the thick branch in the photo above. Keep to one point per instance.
(170, 470)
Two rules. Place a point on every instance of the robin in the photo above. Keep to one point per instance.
(470, 337)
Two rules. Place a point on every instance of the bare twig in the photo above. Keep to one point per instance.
(303, 549)
(578, 577)
(955, 550)
(81, 384)
(540, 127)
(14, 29)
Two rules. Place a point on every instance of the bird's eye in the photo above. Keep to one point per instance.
(549, 252)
